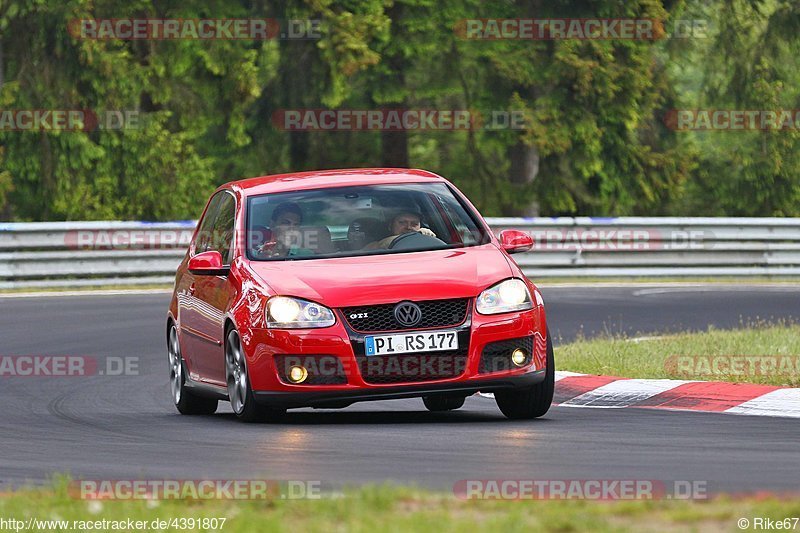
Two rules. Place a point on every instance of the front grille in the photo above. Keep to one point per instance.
(496, 356)
(412, 367)
(435, 314)
(322, 369)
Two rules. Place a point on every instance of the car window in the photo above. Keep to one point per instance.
(466, 229)
(204, 234)
(359, 220)
(223, 228)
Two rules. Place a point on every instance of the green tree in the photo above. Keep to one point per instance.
(190, 96)
(750, 63)
(589, 107)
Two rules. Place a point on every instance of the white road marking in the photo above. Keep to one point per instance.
(627, 392)
(623, 392)
(780, 402)
(561, 374)
(788, 287)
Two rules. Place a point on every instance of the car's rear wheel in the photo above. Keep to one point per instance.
(240, 394)
(186, 402)
(443, 403)
(534, 401)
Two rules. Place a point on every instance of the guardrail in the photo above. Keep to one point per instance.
(59, 254)
(75, 254)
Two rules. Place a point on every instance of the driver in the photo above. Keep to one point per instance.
(404, 221)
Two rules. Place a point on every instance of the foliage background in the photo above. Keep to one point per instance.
(595, 141)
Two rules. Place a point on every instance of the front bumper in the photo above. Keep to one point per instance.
(339, 341)
(343, 398)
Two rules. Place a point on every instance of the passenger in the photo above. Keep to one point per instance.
(286, 219)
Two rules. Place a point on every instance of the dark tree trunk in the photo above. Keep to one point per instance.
(5, 207)
(48, 179)
(522, 172)
(524, 163)
(295, 73)
(296, 76)
(394, 143)
(394, 148)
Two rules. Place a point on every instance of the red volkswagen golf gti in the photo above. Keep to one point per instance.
(321, 289)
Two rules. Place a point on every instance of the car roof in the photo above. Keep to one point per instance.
(319, 179)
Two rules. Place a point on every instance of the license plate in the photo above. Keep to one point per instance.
(411, 342)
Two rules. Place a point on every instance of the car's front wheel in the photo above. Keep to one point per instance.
(534, 401)
(240, 394)
(186, 402)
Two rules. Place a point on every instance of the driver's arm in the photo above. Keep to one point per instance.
(385, 242)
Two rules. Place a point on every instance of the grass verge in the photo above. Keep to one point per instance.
(760, 353)
(390, 508)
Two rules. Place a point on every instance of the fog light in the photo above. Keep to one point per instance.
(298, 374)
(518, 357)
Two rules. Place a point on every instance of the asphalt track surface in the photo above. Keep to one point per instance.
(123, 427)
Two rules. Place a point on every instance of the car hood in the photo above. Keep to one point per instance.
(386, 278)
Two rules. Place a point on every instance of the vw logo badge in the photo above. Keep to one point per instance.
(407, 314)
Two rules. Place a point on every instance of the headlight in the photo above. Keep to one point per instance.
(505, 297)
(285, 312)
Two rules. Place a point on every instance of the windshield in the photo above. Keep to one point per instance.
(363, 220)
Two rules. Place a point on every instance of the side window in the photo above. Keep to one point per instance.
(204, 233)
(223, 228)
(465, 227)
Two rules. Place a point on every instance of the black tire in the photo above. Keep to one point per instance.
(443, 403)
(184, 399)
(534, 401)
(240, 394)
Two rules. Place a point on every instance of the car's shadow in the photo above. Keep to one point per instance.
(328, 417)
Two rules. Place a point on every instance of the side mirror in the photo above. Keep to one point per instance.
(208, 264)
(514, 241)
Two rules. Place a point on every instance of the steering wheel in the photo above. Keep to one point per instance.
(415, 240)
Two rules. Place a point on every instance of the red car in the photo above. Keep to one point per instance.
(321, 289)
